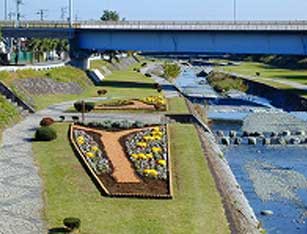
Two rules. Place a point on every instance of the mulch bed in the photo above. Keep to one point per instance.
(147, 187)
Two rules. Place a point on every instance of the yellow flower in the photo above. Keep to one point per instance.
(80, 140)
(90, 155)
(151, 172)
(156, 149)
(149, 156)
(142, 156)
(142, 144)
(147, 138)
(162, 162)
(95, 148)
(135, 156)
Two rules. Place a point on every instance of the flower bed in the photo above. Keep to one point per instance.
(138, 155)
(148, 151)
(152, 103)
(93, 152)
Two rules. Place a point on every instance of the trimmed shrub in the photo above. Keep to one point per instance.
(62, 118)
(75, 118)
(88, 106)
(45, 134)
(45, 122)
(144, 64)
(72, 223)
(147, 74)
(101, 92)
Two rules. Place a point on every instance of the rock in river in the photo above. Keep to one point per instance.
(266, 212)
(225, 141)
(252, 141)
(232, 134)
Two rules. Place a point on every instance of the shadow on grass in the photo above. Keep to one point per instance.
(126, 84)
(293, 77)
(58, 230)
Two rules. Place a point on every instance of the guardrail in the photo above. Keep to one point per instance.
(165, 25)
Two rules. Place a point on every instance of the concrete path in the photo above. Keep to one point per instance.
(21, 200)
(168, 88)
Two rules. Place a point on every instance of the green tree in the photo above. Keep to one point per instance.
(109, 15)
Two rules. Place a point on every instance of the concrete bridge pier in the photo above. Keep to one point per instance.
(79, 57)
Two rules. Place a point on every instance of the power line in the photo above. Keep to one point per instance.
(41, 13)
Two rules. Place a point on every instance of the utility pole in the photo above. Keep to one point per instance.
(63, 13)
(18, 14)
(41, 12)
(71, 13)
(234, 10)
(5, 9)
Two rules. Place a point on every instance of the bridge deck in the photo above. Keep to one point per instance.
(169, 25)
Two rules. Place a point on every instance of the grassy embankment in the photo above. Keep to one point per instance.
(64, 74)
(196, 208)
(267, 75)
(223, 82)
(8, 114)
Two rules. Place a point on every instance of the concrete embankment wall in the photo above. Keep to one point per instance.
(279, 98)
(240, 215)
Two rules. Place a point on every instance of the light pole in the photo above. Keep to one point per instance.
(71, 13)
(18, 14)
(5, 9)
(234, 10)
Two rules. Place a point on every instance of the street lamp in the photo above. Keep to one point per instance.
(234, 10)
(5, 9)
(71, 12)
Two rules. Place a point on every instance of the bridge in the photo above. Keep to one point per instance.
(237, 37)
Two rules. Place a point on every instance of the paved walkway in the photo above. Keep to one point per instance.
(21, 200)
(168, 88)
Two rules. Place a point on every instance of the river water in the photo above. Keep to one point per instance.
(272, 177)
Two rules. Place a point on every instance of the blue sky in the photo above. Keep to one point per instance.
(172, 9)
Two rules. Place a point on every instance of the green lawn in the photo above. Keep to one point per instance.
(128, 84)
(267, 71)
(177, 105)
(68, 191)
(8, 113)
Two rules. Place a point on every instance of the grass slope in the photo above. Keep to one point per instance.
(196, 208)
(8, 113)
(267, 71)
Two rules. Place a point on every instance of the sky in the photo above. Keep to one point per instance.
(169, 9)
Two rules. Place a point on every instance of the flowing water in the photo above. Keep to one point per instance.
(272, 177)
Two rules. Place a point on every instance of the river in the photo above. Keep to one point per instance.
(273, 178)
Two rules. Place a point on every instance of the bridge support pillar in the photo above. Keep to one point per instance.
(78, 57)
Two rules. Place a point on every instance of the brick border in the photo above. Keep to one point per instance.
(103, 189)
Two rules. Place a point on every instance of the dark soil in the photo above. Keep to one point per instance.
(147, 187)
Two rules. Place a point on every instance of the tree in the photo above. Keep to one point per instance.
(109, 15)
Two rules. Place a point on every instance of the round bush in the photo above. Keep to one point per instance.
(45, 134)
(72, 223)
(101, 92)
(46, 122)
(88, 106)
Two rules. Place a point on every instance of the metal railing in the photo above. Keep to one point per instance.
(166, 25)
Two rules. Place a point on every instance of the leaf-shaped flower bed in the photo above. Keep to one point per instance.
(115, 160)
